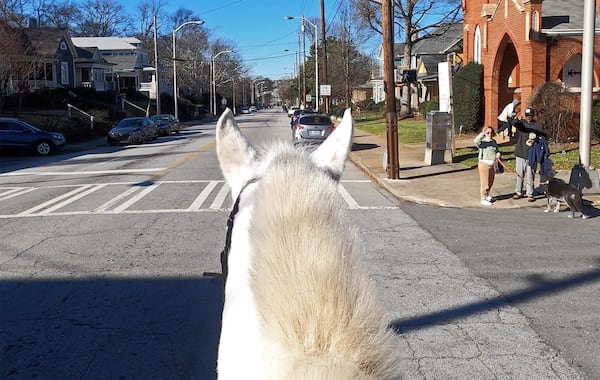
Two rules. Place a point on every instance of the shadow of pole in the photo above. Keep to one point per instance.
(541, 287)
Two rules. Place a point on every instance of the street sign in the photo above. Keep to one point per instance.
(308, 97)
(325, 90)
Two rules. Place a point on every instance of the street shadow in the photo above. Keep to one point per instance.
(358, 147)
(110, 328)
(540, 287)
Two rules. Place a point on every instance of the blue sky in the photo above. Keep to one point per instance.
(259, 28)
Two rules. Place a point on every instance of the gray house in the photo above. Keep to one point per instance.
(130, 70)
(442, 44)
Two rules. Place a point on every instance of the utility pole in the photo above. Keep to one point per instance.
(389, 84)
(324, 56)
(303, 66)
(156, 76)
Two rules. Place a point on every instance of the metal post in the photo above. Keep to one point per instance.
(156, 70)
(175, 92)
(587, 82)
(175, 111)
(214, 80)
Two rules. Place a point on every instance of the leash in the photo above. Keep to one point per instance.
(518, 175)
(230, 220)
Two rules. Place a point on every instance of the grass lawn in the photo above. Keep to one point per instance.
(412, 131)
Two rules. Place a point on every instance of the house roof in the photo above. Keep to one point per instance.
(90, 55)
(107, 43)
(45, 41)
(444, 39)
(563, 17)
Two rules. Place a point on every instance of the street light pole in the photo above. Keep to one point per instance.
(316, 55)
(175, 92)
(214, 80)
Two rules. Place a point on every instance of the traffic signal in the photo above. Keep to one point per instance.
(409, 76)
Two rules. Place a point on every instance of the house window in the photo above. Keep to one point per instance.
(64, 73)
(477, 46)
(63, 46)
(535, 22)
(535, 26)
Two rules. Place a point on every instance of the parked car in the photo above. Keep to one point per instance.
(312, 128)
(253, 109)
(297, 113)
(291, 110)
(132, 130)
(19, 135)
(245, 110)
(166, 124)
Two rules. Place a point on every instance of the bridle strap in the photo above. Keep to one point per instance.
(227, 248)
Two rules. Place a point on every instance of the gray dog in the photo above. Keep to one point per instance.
(562, 191)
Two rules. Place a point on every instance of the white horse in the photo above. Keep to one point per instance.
(298, 302)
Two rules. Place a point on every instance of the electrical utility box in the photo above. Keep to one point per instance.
(438, 138)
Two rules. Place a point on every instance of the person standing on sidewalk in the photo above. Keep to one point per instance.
(528, 132)
(507, 115)
(488, 153)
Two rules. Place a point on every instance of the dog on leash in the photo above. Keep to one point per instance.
(564, 192)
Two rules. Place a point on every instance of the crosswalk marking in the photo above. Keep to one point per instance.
(15, 192)
(197, 203)
(214, 194)
(105, 206)
(55, 200)
(220, 198)
(136, 198)
(73, 199)
(352, 204)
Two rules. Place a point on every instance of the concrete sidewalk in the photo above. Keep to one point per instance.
(448, 185)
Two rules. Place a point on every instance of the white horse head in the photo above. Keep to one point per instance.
(298, 302)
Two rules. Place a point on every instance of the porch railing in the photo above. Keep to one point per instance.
(72, 108)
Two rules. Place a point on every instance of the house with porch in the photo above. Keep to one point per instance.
(524, 43)
(442, 44)
(130, 69)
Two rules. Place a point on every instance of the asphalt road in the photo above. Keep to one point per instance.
(547, 265)
(102, 253)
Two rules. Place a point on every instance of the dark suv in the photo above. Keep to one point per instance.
(16, 134)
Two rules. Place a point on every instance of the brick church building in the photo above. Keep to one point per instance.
(524, 43)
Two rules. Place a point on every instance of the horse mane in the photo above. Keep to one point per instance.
(318, 308)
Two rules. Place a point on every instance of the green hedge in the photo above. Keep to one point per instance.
(468, 107)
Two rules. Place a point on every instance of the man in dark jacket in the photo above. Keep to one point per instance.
(527, 135)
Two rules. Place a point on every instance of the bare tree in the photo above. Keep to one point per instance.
(412, 18)
(147, 10)
(13, 12)
(19, 63)
(103, 18)
(57, 14)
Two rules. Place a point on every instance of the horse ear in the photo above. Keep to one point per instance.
(236, 156)
(332, 153)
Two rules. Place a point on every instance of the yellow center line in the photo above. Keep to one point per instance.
(183, 159)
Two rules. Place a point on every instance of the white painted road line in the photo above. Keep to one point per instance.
(72, 199)
(135, 198)
(197, 204)
(55, 200)
(15, 192)
(92, 172)
(220, 198)
(352, 204)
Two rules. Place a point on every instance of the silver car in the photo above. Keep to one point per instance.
(312, 128)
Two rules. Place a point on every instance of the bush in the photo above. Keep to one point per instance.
(429, 105)
(554, 108)
(468, 107)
